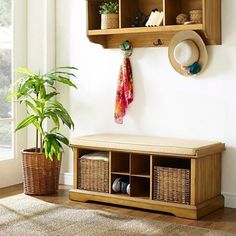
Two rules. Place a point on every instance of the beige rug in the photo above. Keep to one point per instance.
(24, 215)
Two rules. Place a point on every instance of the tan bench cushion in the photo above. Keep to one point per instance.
(147, 144)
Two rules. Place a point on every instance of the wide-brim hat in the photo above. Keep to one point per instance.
(200, 49)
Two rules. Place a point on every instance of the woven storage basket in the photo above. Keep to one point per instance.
(41, 176)
(93, 175)
(196, 16)
(171, 185)
(110, 21)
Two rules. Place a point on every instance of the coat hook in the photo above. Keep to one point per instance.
(127, 48)
(158, 43)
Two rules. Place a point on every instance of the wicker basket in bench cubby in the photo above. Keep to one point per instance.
(171, 185)
(93, 175)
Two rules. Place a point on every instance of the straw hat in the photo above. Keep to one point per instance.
(187, 53)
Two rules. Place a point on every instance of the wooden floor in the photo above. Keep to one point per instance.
(223, 219)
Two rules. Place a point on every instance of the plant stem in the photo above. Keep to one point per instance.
(41, 143)
(37, 134)
(37, 143)
(41, 136)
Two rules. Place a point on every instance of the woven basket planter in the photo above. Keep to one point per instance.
(41, 176)
(110, 21)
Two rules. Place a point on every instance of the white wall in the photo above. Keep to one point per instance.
(165, 104)
(41, 43)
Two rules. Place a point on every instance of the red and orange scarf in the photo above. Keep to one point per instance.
(124, 94)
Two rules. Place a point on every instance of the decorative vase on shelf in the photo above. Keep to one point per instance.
(109, 15)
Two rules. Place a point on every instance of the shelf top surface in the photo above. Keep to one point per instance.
(134, 30)
(148, 144)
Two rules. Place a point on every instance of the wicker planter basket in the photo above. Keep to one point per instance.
(41, 176)
(93, 175)
(110, 21)
(171, 185)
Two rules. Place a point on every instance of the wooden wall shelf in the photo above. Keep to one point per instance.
(135, 158)
(210, 29)
(137, 30)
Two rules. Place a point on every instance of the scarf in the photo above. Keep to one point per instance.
(124, 94)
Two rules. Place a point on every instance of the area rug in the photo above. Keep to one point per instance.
(25, 215)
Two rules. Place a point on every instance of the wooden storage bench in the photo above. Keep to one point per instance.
(193, 193)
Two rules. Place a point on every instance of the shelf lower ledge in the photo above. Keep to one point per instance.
(141, 37)
(135, 30)
(180, 210)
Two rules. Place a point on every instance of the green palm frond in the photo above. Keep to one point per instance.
(33, 91)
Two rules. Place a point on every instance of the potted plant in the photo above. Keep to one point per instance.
(41, 164)
(109, 15)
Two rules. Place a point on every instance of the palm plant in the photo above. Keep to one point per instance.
(38, 93)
